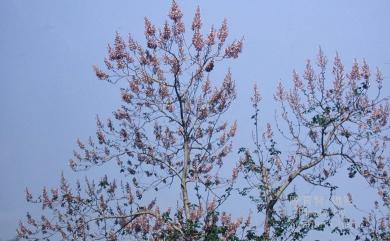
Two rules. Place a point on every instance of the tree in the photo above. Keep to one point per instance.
(330, 128)
(171, 134)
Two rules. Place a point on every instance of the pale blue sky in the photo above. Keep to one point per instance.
(49, 95)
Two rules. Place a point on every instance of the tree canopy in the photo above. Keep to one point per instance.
(171, 133)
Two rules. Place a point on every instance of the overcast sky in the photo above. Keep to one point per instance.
(49, 95)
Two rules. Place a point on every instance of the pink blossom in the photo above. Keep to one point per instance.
(197, 40)
(355, 73)
(126, 96)
(321, 59)
(166, 32)
(197, 22)
(175, 13)
(100, 73)
(365, 70)
(379, 78)
(178, 28)
(223, 32)
(211, 37)
(233, 129)
(297, 81)
(132, 44)
(280, 92)
(149, 28)
(234, 49)
(256, 97)
(338, 71)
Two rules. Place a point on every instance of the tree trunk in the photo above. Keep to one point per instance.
(267, 225)
(184, 178)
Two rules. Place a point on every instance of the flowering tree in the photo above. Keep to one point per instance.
(330, 127)
(169, 133)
